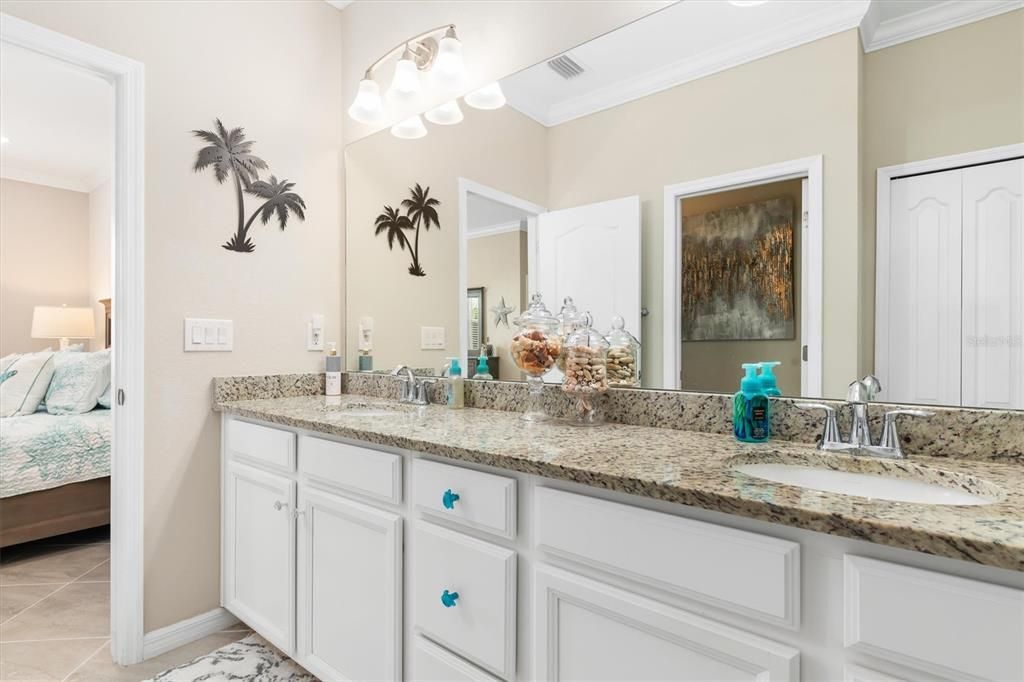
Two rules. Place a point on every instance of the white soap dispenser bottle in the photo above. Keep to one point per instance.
(333, 367)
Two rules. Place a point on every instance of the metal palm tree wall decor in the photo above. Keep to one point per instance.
(229, 154)
(420, 211)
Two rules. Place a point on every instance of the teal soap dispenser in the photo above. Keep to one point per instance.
(769, 385)
(751, 409)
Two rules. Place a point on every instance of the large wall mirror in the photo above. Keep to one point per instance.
(734, 192)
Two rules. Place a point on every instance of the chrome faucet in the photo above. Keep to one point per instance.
(412, 389)
(859, 394)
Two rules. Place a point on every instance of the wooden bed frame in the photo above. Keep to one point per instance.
(45, 513)
(65, 509)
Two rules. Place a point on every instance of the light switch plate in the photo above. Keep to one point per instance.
(209, 335)
(432, 338)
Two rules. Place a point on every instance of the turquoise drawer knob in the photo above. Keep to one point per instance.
(449, 499)
(449, 598)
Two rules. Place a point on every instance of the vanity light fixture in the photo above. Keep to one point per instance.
(747, 3)
(487, 97)
(411, 128)
(447, 114)
(367, 107)
(419, 54)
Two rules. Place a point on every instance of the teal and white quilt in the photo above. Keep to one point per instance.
(42, 451)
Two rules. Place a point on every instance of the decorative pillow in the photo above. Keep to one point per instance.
(79, 379)
(28, 377)
(104, 400)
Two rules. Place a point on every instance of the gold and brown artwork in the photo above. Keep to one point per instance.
(737, 275)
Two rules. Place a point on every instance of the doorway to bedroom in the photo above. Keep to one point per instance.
(70, 352)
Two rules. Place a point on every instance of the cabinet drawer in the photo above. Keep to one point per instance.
(480, 624)
(263, 444)
(431, 663)
(943, 624)
(478, 500)
(352, 468)
(735, 570)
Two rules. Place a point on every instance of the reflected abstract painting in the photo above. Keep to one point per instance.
(737, 274)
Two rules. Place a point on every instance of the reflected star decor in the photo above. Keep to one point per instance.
(501, 312)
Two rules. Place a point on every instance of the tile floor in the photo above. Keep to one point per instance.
(54, 614)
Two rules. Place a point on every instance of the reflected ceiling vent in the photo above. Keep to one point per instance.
(565, 66)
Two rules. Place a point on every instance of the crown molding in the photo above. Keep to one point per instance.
(500, 228)
(876, 35)
(806, 29)
(49, 180)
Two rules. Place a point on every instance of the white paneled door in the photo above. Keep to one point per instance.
(993, 285)
(924, 291)
(591, 253)
(950, 312)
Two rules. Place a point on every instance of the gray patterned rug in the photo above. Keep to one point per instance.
(252, 658)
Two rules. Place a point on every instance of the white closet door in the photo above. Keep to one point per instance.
(592, 253)
(922, 327)
(993, 285)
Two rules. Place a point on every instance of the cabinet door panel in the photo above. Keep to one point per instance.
(993, 281)
(586, 630)
(259, 552)
(350, 558)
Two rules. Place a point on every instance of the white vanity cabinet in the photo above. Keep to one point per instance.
(468, 572)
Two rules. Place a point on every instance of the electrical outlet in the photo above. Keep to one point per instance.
(315, 333)
(432, 338)
(209, 335)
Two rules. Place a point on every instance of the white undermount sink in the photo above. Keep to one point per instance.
(371, 410)
(876, 480)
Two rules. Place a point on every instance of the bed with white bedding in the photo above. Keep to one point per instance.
(42, 451)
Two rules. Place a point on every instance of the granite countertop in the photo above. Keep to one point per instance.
(689, 468)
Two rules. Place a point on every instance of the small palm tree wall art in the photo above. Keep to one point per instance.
(230, 155)
(420, 211)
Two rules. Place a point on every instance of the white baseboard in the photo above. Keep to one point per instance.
(186, 631)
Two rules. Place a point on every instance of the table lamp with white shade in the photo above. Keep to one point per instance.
(62, 322)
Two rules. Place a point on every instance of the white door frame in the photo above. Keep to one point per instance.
(467, 187)
(127, 77)
(883, 216)
(810, 261)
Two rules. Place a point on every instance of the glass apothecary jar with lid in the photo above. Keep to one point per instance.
(535, 348)
(586, 373)
(623, 356)
(568, 318)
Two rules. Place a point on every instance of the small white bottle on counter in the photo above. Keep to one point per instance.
(333, 367)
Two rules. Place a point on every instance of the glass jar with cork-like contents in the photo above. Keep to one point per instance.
(535, 349)
(586, 372)
(568, 318)
(623, 356)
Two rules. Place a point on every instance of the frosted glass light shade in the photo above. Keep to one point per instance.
(448, 64)
(367, 106)
(53, 322)
(411, 128)
(487, 97)
(447, 114)
(406, 81)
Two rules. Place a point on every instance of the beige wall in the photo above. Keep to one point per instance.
(953, 92)
(44, 242)
(101, 223)
(501, 149)
(278, 75)
(715, 365)
(498, 264)
(499, 37)
(733, 120)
